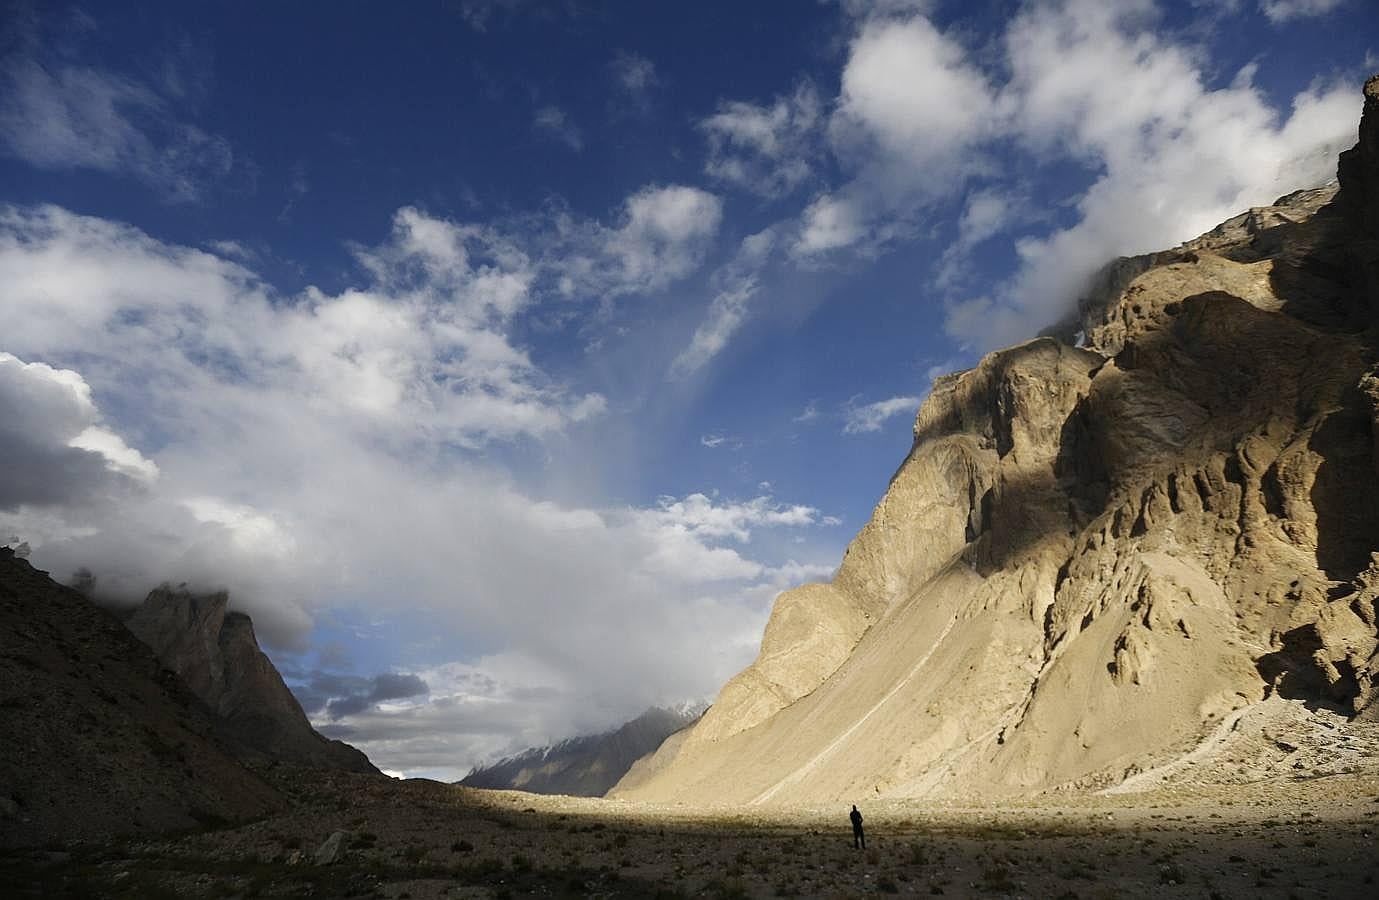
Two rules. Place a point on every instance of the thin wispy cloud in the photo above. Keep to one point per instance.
(865, 418)
(1280, 11)
(635, 79)
(553, 122)
(59, 116)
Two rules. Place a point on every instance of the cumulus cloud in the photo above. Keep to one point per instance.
(1072, 85)
(1175, 156)
(869, 417)
(665, 234)
(911, 115)
(333, 449)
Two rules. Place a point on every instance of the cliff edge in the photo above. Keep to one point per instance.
(1098, 559)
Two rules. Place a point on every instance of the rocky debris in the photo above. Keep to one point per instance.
(99, 738)
(216, 653)
(1309, 837)
(585, 766)
(331, 850)
(1094, 559)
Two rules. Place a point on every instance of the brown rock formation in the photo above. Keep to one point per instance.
(98, 737)
(1092, 558)
(217, 655)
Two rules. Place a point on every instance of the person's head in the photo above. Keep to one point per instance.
(854, 807)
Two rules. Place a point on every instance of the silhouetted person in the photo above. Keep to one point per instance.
(859, 840)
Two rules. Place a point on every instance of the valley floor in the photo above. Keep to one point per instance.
(1300, 837)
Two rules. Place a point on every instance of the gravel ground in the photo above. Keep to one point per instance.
(1299, 837)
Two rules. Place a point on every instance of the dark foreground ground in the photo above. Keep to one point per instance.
(1307, 838)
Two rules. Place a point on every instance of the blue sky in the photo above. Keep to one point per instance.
(529, 349)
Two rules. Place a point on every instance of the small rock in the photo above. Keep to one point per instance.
(331, 850)
(294, 858)
(8, 808)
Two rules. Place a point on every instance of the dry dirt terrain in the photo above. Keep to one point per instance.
(1283, 837)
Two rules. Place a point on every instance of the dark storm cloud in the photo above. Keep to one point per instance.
(35, 474)
(42, 411)
(343, 695)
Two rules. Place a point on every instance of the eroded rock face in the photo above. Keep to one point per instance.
(1092, 557)
(217, 654)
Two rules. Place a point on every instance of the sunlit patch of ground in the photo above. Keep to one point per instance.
(1293, 838)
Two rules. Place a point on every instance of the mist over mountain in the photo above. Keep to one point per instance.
(585, 766)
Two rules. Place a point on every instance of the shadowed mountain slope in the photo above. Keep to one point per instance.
(217, 655)
(1095, 558)
(99, 738)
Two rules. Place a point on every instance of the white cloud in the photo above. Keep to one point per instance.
(726, 314)
(119, 456)
(767, 150)
(665, 232)
(1097, 85)
(910, 119)
(830, 223)
(735, 284)
(1173, 156)
(552, 121)
(305, 453)
(689, 611)
(700, 516)
(55, 115)
(1279, 11)
(988, 212)
(912, 91)
(869, 417)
